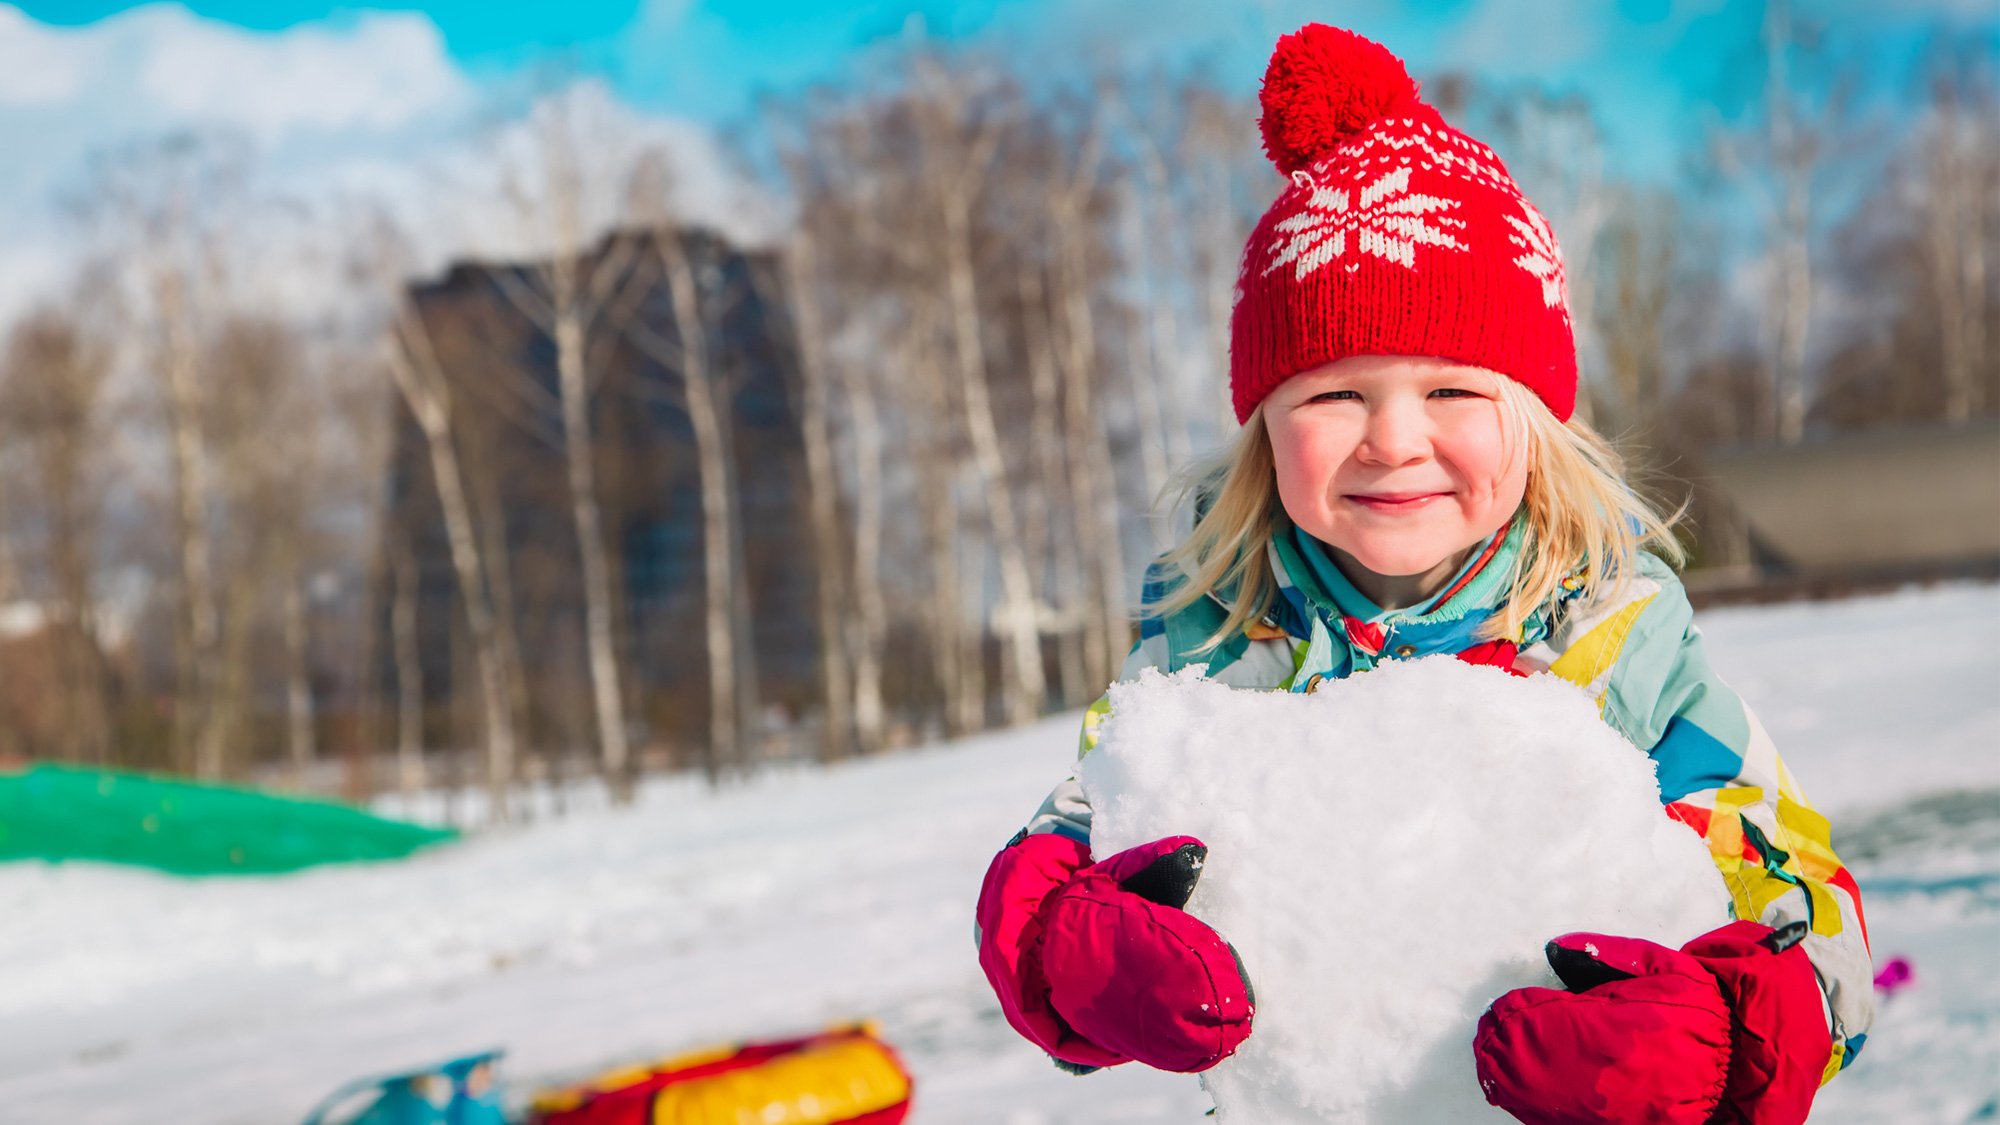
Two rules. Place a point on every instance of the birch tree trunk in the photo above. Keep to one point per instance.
(1794, 258)
(414, 370)
(51, 408)
(749, 709)
(872, 617)
(1217, 253)
(567, 296)
(1093, 488)
(409, 674)
(1954, 231)
(1048, 550)
(974, 558)
(1145, 375)
(87, 728)
(718, 515)
(298, 685)
(1164, 327)
(361, 747)
(801, 263)
(225, 714)
(489, 520)
(607, 693)
(937, 503)
(1024, 686)
(200, 620)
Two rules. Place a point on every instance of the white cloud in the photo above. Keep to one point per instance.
(509, 166)
(363, 109)
(162, 65)
(385, 72)
(309, 99)
(37, 65)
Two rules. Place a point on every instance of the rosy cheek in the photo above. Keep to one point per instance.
(1306, 459)
(1478, 450)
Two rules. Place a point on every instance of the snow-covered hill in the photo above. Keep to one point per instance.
(811, 896)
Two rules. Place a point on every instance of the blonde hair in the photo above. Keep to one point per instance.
(1581, 520)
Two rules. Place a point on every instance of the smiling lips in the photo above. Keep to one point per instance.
(1394, 502)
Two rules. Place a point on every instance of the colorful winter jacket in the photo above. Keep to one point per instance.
(1638, 653)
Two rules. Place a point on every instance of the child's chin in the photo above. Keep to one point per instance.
(1400, 560)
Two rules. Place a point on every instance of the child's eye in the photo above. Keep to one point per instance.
(1453, 392)
(1335, 396)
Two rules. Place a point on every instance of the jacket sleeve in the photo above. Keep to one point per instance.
(1066, 810)
(1642, 657)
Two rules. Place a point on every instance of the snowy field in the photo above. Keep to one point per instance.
(814, 896)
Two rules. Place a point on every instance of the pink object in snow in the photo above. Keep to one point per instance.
(1895, 976)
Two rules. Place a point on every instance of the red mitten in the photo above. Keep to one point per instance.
(1133, 972)
(1097, 964)
(1779, 1041)
(1642, 1035)
(1020, 882)
(1723, 1031)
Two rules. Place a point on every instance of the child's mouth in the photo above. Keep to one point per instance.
(1392, 502)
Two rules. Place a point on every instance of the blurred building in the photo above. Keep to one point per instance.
(1877, 506)
(502, 371)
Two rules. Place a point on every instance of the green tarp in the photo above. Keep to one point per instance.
(58, 812)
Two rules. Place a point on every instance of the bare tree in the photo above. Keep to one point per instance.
(1631, 320)
(1794, 150)
(52, 408)
(299, 709)
(408, 659)
(1556, 152)
(160, 206)
(261, 443)
(958, 150)
(824, 161)
(567, 295)
(1218, 145)
(412, 365)
(1961, 172)
(1147, 370)
(870, 634)
(885, 224)
(1093, 489)
(729, 693)
(1781, 159)
(801, 257)
(955, 646)
(1052, 551)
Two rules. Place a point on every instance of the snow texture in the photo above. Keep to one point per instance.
(1388, 855)
(774, 906)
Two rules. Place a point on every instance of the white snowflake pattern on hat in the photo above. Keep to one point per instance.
(1386, 219)
(1543, 258)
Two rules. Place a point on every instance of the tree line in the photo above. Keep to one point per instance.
(1005, 307)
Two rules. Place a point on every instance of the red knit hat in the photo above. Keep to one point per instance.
(1399, 235)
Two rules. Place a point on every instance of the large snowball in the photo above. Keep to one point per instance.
(1388, 855)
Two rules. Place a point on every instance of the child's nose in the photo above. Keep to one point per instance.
(1398, 433)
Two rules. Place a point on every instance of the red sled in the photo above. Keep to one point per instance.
(844, 1076)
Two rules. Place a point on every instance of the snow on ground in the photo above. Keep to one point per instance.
(806, 897)
(1888, 711)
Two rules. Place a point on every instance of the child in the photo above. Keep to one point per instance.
(1409, 481)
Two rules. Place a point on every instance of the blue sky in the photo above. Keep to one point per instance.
(394, 101)
(1651, 66)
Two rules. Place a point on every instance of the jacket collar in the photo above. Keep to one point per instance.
(1313, 591)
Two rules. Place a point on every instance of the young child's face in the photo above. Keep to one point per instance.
(1400, 462)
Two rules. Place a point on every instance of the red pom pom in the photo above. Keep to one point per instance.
(1323, 86)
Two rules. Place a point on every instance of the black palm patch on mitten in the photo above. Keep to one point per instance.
(1170, 879)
